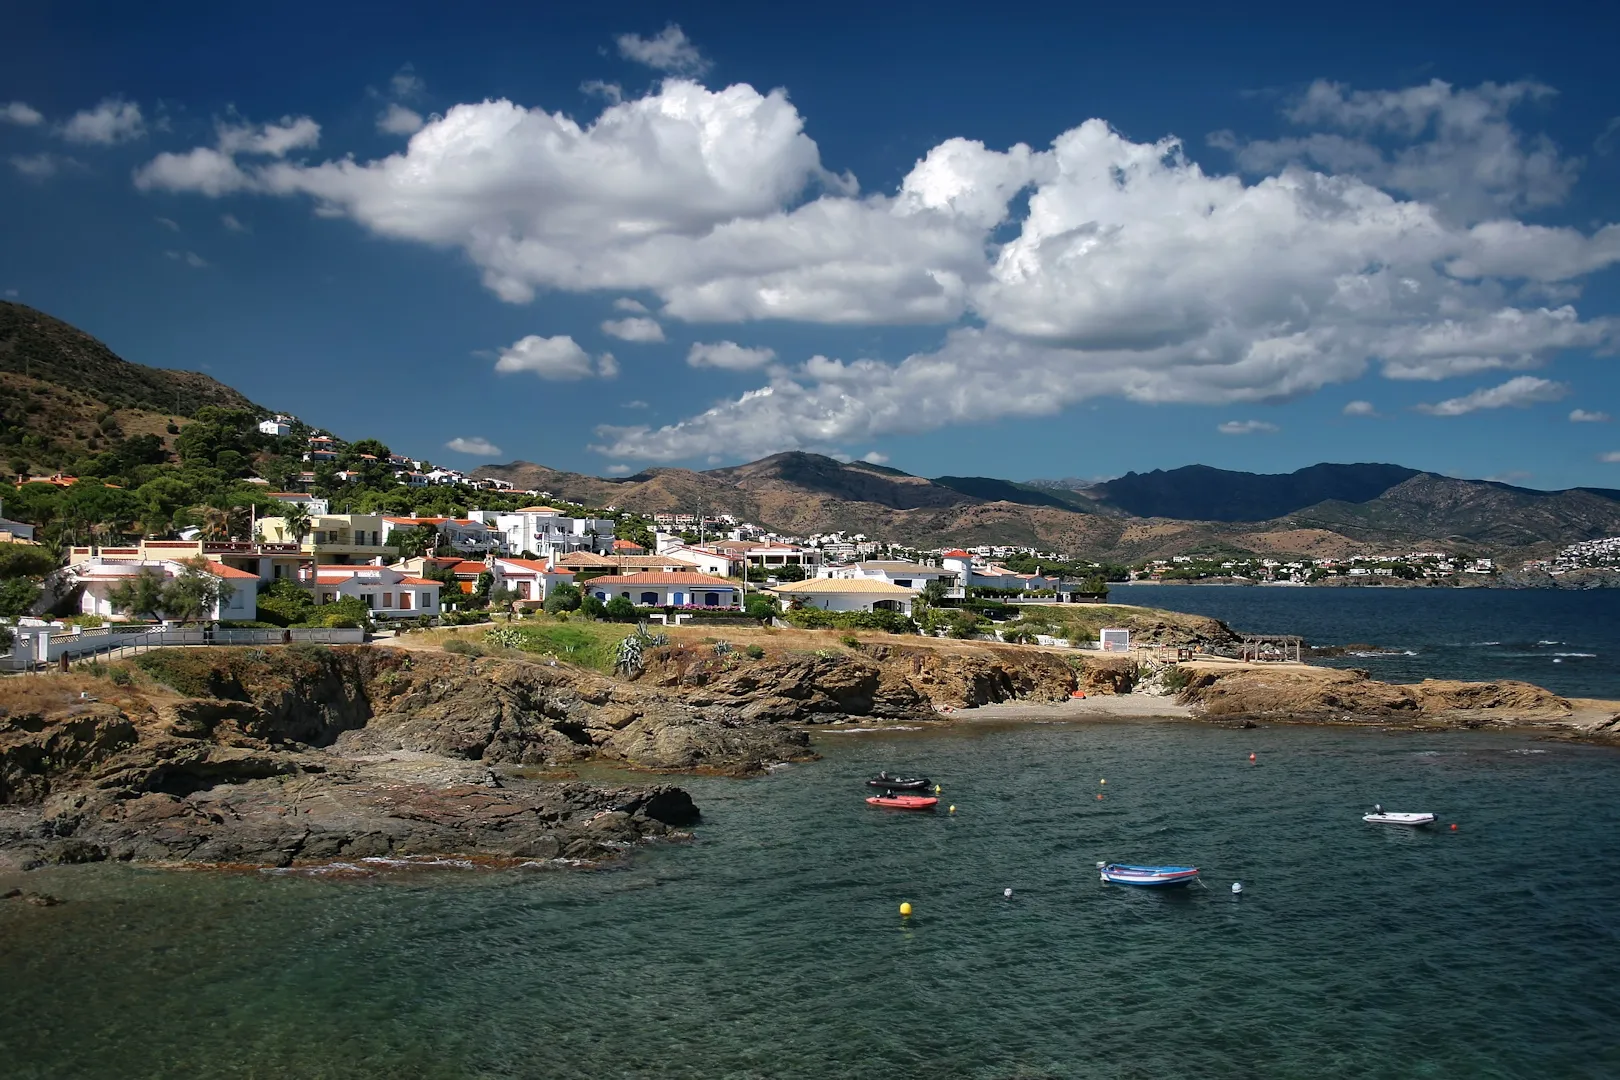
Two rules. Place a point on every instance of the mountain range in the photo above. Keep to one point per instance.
(1324, 510)
(61, 391)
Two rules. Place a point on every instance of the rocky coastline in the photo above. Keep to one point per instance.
(301, 755)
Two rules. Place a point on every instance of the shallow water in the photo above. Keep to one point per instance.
(1567, 641)
(771, 945)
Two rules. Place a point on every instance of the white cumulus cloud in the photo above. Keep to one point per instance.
(399, 120)
(1611, 456)
(1094, 266)
(214, 171)
(728, 355)
(40, 166)
(875, 457)
(1585, 416)
(1456, 147)
(669, 50)
(1359, 408)
(112, 121)
(1247, 427)
(618, 470)
(1516, 393)
(607, 366)
(558, 358)
(20, 113)
(233, 224)
(638, 329)
(626, 303)
(476, 445)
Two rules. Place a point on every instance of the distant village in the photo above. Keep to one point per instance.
(383, 566)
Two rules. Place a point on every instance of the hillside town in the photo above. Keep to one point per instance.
(293, 560)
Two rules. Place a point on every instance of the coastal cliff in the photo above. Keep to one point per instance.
(304, 754)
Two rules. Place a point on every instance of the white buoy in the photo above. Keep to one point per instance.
(1007, 893)
(1237, 888)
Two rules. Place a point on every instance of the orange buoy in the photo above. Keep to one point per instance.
(1099, 796)
(1453, 826)
(1251, 758)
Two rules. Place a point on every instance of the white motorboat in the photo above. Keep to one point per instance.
(1385, 817)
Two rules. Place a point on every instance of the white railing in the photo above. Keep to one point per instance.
(26, 655)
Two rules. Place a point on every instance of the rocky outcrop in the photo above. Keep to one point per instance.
(1313, 693)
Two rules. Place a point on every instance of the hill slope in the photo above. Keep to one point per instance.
(1200, 493)
(63, 394)
(34, 344)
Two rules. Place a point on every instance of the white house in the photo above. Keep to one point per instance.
(658, 589)
(312, 503)
(20, 530)
(907, 575)
(387, 592)
(974, 573)
(847, 594)
(464, 534)
(280, 426)
(100, 576)
(707, 560)
(531, 579)
(546, 532)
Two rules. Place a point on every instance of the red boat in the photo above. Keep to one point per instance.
(904, 802)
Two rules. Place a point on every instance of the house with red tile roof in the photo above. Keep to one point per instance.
(531, 579)
(659, 589)
(389, 593)
(94, 580)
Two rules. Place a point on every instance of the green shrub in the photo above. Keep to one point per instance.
(755, 652)
(816, 619)
(564, 598)
(760, 607)
(120, 676)
(463, 647)
(850, 641)
(620, 609)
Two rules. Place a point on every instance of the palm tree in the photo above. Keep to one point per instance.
(216, 523)
(299, 523)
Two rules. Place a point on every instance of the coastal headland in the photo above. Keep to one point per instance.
(302, 755)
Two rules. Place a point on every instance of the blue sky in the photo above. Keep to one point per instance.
(1050, 243)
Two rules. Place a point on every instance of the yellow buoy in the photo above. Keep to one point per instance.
(953, 808)
(937, 789)
(1102, 781)
(905, 909)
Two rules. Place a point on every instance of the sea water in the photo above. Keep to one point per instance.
(771, 945)
(1565, 640)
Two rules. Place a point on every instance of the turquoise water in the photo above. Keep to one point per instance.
(771, 945)
(1567, 641)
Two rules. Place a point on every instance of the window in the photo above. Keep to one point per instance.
(711, 599)
(427, 600)
(388, 600)
(649, 599)
(904, 583)
(405, 601)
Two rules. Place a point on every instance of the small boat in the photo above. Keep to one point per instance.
(899, 783)
(904, 802)
(1156, 877)
(1384, 817)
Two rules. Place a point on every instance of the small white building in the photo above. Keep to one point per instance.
(547, 533)
(658, 589)
(531, 579)
(278, 426)
(907, 575)
(389, 593)
(100, 576)
(847, 594)
(314, 504)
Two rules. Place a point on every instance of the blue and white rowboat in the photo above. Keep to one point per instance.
(1158, 877)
